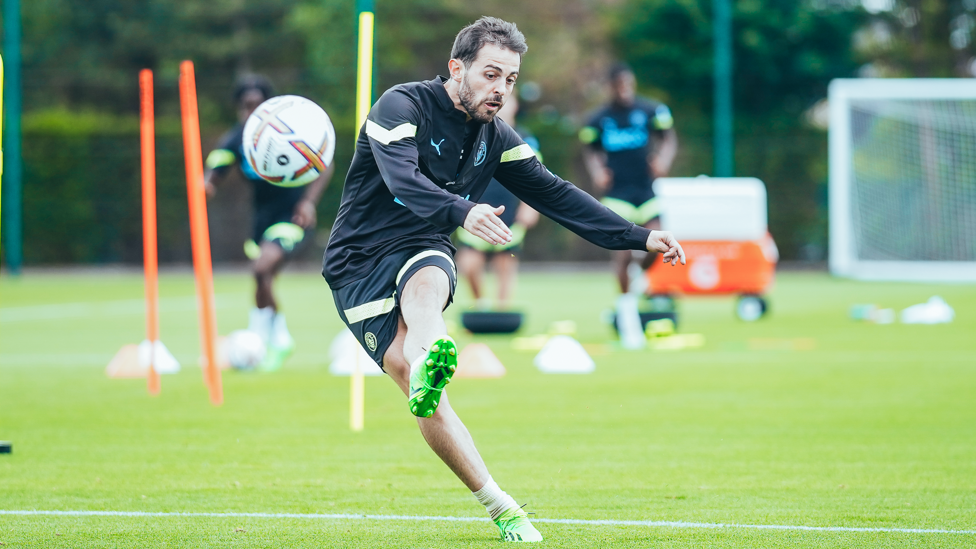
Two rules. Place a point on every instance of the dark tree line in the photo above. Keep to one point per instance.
(81, 57)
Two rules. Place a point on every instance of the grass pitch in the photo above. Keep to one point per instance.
(804, 418)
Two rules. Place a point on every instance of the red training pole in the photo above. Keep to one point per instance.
(199, 229)
(148, 141)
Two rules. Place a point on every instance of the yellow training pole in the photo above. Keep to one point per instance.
(1, 140)
(364, 93)
(364, 77)
(357, 393)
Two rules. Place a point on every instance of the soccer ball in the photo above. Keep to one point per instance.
(289, 141)
(244, 349)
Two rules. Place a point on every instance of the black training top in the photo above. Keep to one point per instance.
(625, 134)
(230, 151)
(420, 167)
(497, 195)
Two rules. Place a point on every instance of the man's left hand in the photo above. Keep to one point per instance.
(304, 215)
(665, 242)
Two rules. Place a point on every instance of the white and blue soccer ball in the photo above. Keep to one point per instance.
(289, 141)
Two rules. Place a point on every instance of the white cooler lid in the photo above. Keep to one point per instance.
(712, 208)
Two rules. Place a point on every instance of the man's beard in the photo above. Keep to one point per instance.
(467, 97)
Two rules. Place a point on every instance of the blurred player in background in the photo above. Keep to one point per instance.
(519, 216)
(629, 142)
(423, 159)
(284, 218)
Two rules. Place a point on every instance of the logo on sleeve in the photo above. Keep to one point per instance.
(481, 154)
(437, 145)
(370, 341)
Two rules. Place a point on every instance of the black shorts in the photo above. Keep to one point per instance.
(370, 307)
(274, 225)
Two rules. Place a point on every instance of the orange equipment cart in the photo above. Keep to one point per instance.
(721, 225)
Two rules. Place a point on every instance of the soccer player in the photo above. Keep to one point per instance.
(423, 159)
(518, 216)
(629, 142)
(284, 217)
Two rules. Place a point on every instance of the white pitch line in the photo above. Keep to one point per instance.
(411, 518)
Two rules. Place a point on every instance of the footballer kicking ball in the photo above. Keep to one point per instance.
(289, 141)
(244, 350)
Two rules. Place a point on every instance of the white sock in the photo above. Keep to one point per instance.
(638, 280)
(629, 323)
(279, 332)
(495, 500)
(260, 322)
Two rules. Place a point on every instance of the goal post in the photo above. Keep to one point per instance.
(902, 191)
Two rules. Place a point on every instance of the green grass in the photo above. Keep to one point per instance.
(874, 426)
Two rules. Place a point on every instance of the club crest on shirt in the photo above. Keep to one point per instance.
(482, 153)
(370, 341)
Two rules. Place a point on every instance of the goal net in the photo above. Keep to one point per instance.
(903, 179)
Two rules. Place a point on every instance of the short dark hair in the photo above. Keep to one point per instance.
(487, 30)
(619, 69)
(248, 82)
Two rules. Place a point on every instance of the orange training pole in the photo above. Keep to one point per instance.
(199, 230)
(148, 141)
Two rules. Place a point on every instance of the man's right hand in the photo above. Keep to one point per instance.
(483, 222)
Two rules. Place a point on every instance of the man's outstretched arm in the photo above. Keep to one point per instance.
(662, 157)
(219, 163)
(576, 210)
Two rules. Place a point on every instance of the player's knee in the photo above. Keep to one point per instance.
(469, 262)
(468, 268)
(424, 297)
(263, 273)
(428, 288)
(264, 268)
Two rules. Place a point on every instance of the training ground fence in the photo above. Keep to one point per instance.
(81, 203)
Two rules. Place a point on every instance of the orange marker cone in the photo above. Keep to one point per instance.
(477, 361)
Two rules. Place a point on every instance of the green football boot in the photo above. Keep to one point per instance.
(275, 356)
(515, 526)
(429, 376)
